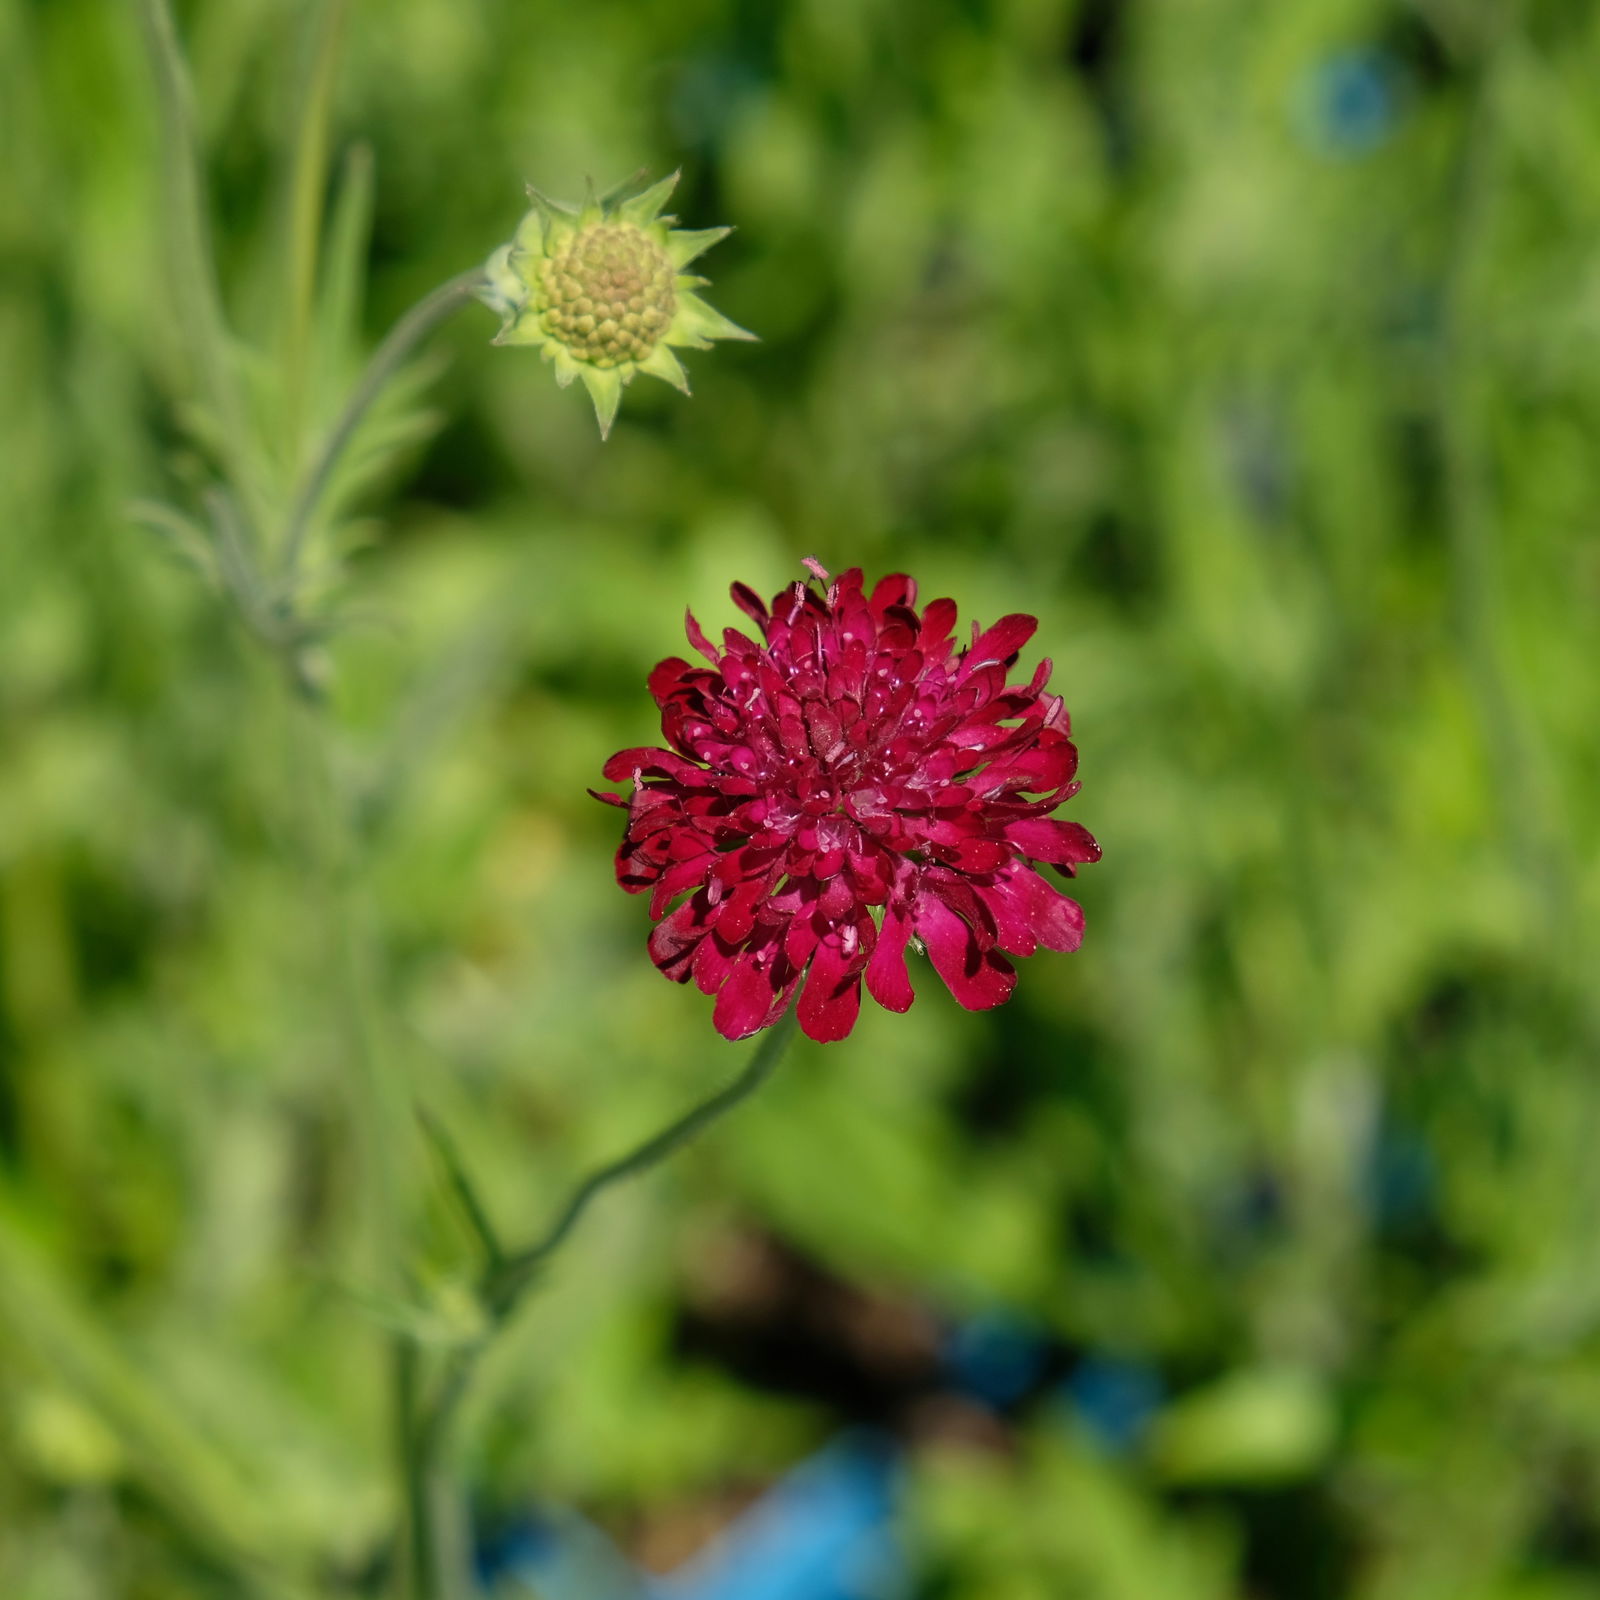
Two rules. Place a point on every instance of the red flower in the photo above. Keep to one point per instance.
(855, 760)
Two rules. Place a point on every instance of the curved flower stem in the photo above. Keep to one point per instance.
(502, 1288)
(401, 339)
(505, 1279)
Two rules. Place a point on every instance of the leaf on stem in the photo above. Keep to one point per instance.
(461, 1185)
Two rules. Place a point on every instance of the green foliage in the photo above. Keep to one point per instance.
(1277, 407)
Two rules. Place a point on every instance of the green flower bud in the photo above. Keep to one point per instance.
(602, 293)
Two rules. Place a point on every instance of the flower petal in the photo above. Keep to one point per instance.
(666, 677)
(679, 876)
(1031, 912)
(979, 979)
(888, 982)
(974, 855)
(713, 961)
(938, 618)
(749, 602)
(745, 999)
(831, 999)
(1001, 642)
(649, 759)
(1044, 839)
(673, 940)
(697, 637)
(894, 589)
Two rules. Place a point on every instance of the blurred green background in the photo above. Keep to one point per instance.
(1252, 1251)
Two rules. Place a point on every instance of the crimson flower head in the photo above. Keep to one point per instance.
(852, 784)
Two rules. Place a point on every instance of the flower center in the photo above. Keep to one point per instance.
(609, 295)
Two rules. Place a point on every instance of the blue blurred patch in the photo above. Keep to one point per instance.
(995, 1358)
(823, 1532)
(558, 1556)
(1114, 1399)
(509, 1548)
(1400, 1179)
(1350, 102)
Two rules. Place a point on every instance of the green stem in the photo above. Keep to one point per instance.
(379, 1122)
(505, 1280)
(401, 339)
(503, 1287)
(379, 1108)
(461, 1185)
(420, 1562)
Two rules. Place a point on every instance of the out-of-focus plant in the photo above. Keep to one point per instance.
(601, 291)
(856, 759)
(1273, 397)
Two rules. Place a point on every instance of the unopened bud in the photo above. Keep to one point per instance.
(601, 291)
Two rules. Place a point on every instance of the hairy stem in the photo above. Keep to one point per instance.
(401, 339)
